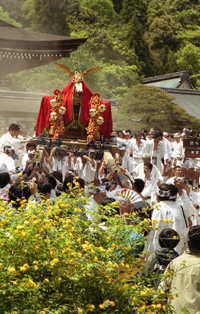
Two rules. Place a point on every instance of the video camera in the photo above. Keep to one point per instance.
(38, 156)
(62, 150)
(115, 167)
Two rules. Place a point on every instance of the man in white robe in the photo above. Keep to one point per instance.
(10, 138)
(6, 160)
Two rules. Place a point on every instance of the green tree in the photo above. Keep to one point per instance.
(117, 5)
(163, 42)
(173, 25)
(146, 106)
(155, 9)
(188, 58)
(5, 16)
(14, 9)
(134, 13)
(47, 16)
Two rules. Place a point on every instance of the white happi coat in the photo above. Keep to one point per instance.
(161, 151)
(155, 172)
(150, 189)
(8, 140)
(136, 150)
(60, 165)
(7, 162)
(127, 163)
(173, 211)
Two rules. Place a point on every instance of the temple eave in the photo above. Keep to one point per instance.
(73, 43)
(9, 65)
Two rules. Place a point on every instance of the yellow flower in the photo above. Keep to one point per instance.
(162, 292)
(46, 280)
(101, 306)
(35, 262)
(14, 312)
(142, 293)
(42, 312)
(158, 306)
(14, 282)
(23, 268)
(19, 174)
(92, 307)
(35, 267)
(80, 311)
(11, 270)
(55, 260)
(96, 259)
(6, 191)
(112, 303)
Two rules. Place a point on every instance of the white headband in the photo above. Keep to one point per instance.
(7, 149)
(162, 193)
(31, 152)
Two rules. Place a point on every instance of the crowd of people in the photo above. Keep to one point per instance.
(149, 170)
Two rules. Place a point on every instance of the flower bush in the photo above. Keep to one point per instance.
(54, 260)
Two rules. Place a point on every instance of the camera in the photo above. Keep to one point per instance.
(95, 154)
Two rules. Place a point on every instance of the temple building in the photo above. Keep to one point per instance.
(179, 86)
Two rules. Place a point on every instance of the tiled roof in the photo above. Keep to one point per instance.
(173, 80)
(21, 49)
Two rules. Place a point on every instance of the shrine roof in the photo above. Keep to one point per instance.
(21, 49)
(188, 99)
(23, 38)
(171, 80)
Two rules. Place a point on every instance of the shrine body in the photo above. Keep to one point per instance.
(77, 102)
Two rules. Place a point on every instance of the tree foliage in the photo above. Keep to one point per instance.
(5, 16)
(146, 106)
(55, 261)
(47, 15)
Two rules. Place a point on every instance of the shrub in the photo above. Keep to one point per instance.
(54, 260)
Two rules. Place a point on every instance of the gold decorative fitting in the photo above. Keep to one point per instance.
(96, 118)
(57, 126)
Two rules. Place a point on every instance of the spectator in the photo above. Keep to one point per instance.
(184, 284)
(158, 261)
